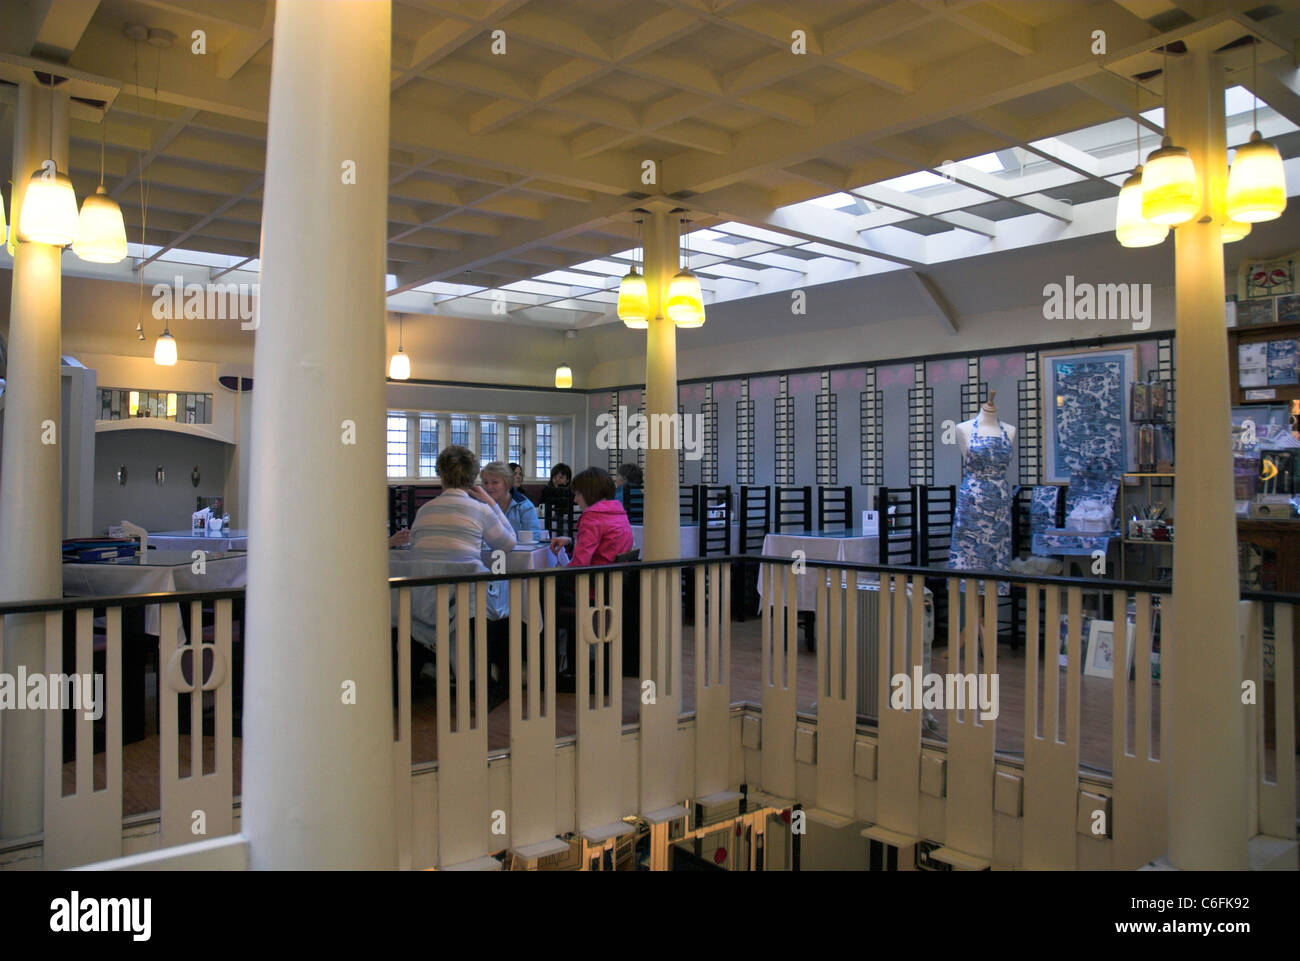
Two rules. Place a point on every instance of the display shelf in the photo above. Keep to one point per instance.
(1277, 393)
(1146, 482)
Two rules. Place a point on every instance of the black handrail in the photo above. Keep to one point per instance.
(1090, 584)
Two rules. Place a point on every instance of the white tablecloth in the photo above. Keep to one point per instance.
(690, 539)
(159, 571)
(233, 540)
(850, 550)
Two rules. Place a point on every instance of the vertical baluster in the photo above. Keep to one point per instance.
(465, 681)
(114, 683)
(1032, 593)
(835, 629)
(1051, 665)
(1075, 595)
(1119, 678)
(443, 654)
(196, 692)
(821, 649)
(481, 667)
(548, 655)
(85, 732)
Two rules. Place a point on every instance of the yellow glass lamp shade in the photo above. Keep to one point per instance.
(634, 301)
(1131, 228)
(101, 235)
(1233, 230)
(1171, 191)
(399, 367)
(685, 304)
(171, 405)
(133, 402)
(164, 350)
(1256, 182)
(49, 214)
(564, 376)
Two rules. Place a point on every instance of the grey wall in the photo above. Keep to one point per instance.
(142, 501)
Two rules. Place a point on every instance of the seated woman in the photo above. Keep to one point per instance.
(517, 482)
(557, 494)
(627, 474)
(519, 511)
(455, 526)
(603, 533)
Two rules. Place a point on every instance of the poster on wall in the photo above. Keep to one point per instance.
(1085, 400)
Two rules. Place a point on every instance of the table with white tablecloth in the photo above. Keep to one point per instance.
(231, 540)
(690, 539)
(155, 571)
(847, 547)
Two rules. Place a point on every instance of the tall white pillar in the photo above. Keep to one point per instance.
(318, 788)
(662, 515)
(1206, 766)
(30, 479)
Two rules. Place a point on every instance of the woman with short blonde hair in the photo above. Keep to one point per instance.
(519, 510)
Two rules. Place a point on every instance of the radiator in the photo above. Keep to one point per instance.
(869, 642)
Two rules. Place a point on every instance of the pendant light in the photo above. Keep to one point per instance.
(101, 233)
(399, 366)
(1131, 228)
(1256, 182)
(49, 214)
(564, 376)
(1233, 230)
(685, 303)
(164, 348)
(633, 294)
(1171, 191)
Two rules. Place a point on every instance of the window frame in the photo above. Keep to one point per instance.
(504, 422)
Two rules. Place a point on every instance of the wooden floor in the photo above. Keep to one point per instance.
(140, 791)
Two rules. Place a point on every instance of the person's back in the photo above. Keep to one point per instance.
(454, 527)
(603, 534)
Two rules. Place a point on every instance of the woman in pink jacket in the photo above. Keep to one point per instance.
(603, 528)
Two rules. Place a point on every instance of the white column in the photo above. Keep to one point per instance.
(318, 786)
(662, 519)
(1206, 766)
(30, 482)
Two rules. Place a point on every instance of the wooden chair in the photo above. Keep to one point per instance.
(834, 508)
(688, 501)
(793, 509)
(558, 514)
(938, 515)
(753, 524)
(634, 503)
(714, 519)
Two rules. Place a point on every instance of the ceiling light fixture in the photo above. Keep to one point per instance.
(685, 304)
(564, 373)
(633, 294)
(101, 233)
(49, 214)
(1257, 181)
(1131, 228)
(1171, 190)
(399, 365)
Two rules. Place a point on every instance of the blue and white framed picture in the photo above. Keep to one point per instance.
(1085, 400)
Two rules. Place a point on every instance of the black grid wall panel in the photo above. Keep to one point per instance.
(974, 392)
(827, 434)
(709, 415)
(920, 429)
(1030, 413)
(871, 403)
(784, 422)
(744, 436)
(614, 456)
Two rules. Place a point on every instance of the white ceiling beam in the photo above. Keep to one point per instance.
(933, 299)
(245, 45)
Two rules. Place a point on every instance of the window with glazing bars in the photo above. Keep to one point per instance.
(460, 431)
(396, 444)
(428, 447)
(487, 441)
(515, 445)
(543, 450)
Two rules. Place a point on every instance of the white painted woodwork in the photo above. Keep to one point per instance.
(600, 804)
(31, 509)
(970, 740)
(837, 690)
(1139, 826)
(899, 780)
(86, 825)
(712, 680)
(181, 794)
(532, 718)
(1207, 771)
(464, 815)
(1277, 798)
(402, 796)
(778, 677)
(661, 663)
(315, 626)
(1052, 758)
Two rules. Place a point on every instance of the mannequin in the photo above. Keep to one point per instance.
(981, 532)
(986, 424)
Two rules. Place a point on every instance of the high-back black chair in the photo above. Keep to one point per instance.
(634, 503)
(714, 519)
(899, 513)
(834, 508)
(559, 515)
(753, 523)
(688, 501)
(401, 508)
(938, 513)
(631, 614)
(792, 509)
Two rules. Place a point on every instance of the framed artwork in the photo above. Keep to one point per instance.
(1268, 278)
(1100, 659)
(1085, 400)
(1288, 309)
(1253, 313)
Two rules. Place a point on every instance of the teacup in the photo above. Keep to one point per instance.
(524, 537)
